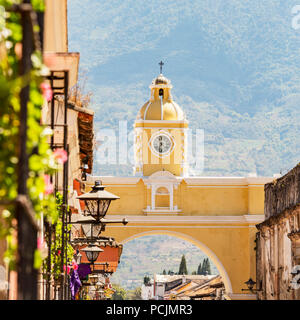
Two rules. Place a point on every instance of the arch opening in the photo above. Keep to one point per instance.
(205, 250)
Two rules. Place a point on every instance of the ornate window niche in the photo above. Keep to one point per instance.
(162, 185)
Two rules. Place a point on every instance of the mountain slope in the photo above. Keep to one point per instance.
(140, 257)
(234, 67)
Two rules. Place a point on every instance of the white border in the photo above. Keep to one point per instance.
(157, 134)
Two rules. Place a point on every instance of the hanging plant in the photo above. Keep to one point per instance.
(56, 244)
(42, 161)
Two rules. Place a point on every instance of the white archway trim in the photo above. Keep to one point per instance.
(176, 109)
(145, 114)
(199, 244)
(161, 108)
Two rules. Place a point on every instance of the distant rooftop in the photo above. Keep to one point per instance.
(169, 278)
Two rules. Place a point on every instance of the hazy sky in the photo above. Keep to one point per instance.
(234, 66)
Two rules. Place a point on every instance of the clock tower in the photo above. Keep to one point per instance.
(160, 133)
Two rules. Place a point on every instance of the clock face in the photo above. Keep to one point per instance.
(162, 144)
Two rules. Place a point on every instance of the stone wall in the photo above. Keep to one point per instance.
(278, 239)
(283, 193)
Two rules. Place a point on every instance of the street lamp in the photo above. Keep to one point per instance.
(92, 252)
(92, 228)
(250, 284)
(97, 200)
(104, 222)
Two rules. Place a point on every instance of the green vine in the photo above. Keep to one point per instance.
(41, 158)
(56, 244)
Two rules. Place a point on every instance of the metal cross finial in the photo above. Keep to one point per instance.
(161, 65)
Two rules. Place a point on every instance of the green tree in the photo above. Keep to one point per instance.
(208, 269)
(164, 272)
(182, 267)
(119, 294)
(146, 280)
(199, 271)
(205, 268)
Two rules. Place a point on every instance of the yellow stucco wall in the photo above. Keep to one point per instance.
(192, 199)
(255, 200)
(220, 228)
(201, 200)
(225, 246)
(134, 198)
(172, 162)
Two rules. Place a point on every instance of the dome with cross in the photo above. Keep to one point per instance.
(161, 106)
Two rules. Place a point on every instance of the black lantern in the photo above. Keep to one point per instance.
(92, 252)
(91, 231)
(250, 284)
(89, 226)
(97, 200)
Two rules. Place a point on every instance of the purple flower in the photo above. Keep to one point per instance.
(75, 283)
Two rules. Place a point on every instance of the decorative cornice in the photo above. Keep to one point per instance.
(228, 181)
(161, 211)
(200, 182)
(278, 218)
(180, 219)
(254, 218)
(159, 177)
(162, 121)
(114, 180)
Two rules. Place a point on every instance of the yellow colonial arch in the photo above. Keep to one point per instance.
(217, 214)
(228, 241)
